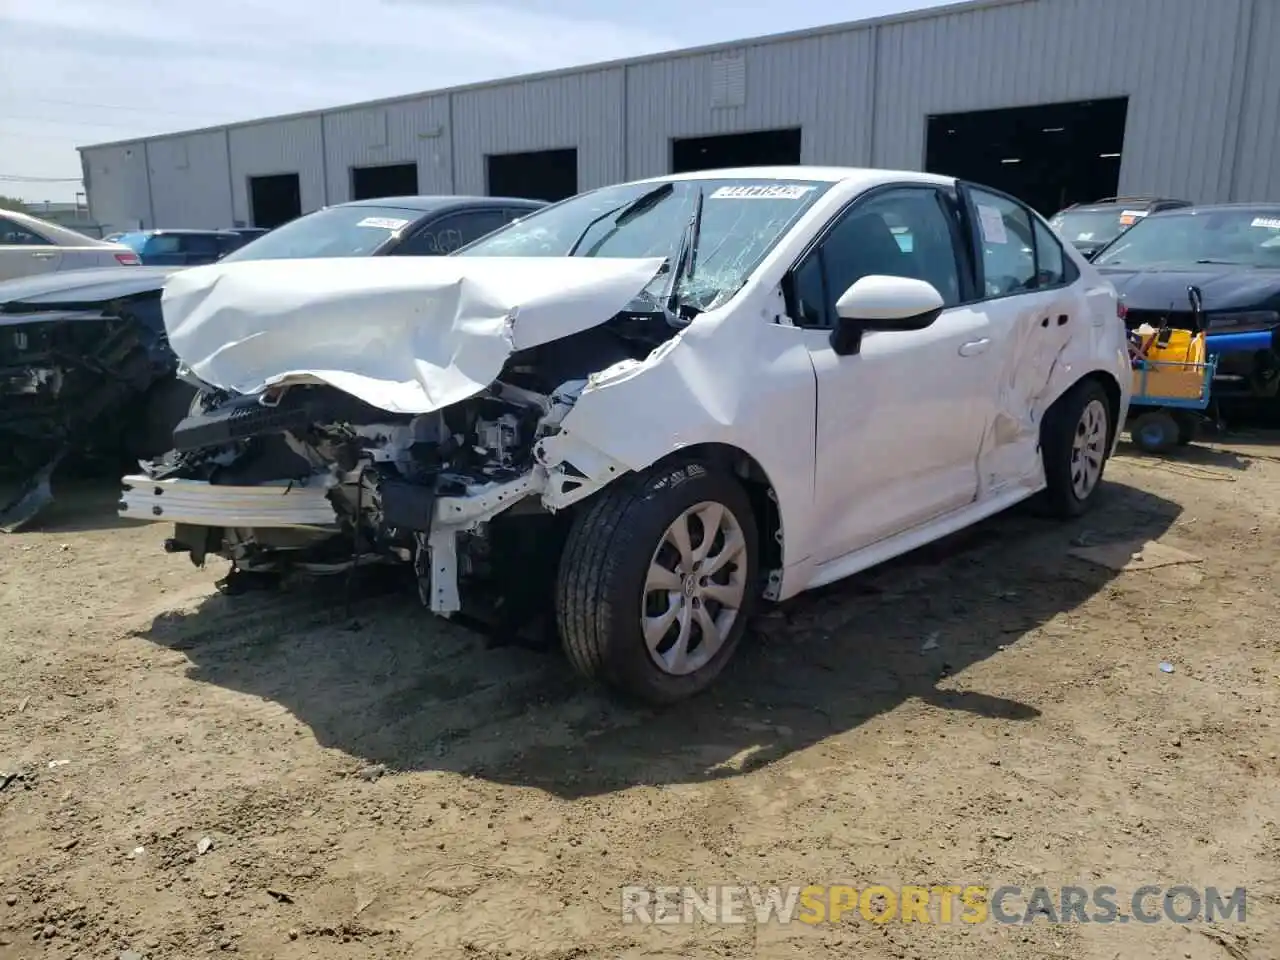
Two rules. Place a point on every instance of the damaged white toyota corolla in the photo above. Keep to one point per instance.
(641, 409)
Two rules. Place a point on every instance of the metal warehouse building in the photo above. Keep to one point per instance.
(1056, 101)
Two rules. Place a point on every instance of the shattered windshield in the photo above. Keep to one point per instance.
(354, 231)
(1245, 237)
(741, 221)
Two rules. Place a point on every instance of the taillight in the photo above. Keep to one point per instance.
(1121, 310)
(128, 259)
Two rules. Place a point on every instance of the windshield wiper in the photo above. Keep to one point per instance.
(686, 258)
(625, 212)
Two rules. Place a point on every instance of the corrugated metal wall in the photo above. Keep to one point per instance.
(582, 110)
(1173, 58)
(116, 182)
(411, 132)
(190, 181)
(1203, 103)
(280, 146)
(1257, 160)
(821, 84)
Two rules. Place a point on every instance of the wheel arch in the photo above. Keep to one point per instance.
(760, 490)
(1115, 397)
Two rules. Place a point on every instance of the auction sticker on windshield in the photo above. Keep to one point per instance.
(763, 191)
(384, 223)
(1272, 223)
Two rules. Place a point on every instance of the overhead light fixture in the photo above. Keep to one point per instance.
(1011, 160)
(1053, 129)
(1108, 156)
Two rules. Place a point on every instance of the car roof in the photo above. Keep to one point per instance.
(1236, 205)
(62, 236)
(1107, 203)
(856, 175)
(182, 231)
(433, 204)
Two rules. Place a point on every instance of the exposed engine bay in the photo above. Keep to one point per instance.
(306, 478)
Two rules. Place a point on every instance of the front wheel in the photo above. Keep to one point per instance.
(657, 581)
(1074, 443)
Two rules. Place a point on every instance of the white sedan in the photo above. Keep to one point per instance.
(30, 246)
(643, 410)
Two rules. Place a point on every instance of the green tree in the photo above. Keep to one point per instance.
(12, 203)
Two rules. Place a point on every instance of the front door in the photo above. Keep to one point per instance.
(900, 423)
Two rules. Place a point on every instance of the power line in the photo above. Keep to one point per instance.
(54, 121)
(14, 178)
(120, 106)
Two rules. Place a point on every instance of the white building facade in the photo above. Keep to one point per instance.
(1199, 103)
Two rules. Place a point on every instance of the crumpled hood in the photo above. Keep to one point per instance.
(405, 334)
(1221, 287)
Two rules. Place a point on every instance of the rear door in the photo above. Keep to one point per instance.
(1031, 298)
(25, 253)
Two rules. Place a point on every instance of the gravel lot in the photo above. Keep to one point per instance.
(379, 784)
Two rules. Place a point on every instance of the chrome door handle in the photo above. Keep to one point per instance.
(974, 347)
(44, 256)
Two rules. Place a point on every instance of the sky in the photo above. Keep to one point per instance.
(78, 72)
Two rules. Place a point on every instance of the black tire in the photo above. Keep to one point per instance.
(1057, 439)
(1155, 432)
(603, 570)
(1188, 427)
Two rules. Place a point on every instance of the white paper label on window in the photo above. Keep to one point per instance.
(384, 223)
(992, 224)
(763, 191)
(1270, 223)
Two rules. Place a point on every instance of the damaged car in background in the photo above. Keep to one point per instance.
(638, 412)
(85, 367)
(85, 371)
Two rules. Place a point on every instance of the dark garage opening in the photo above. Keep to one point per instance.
(387, 180)
(275, 199)
(763, 148)
(1049, 156)
(537, 175)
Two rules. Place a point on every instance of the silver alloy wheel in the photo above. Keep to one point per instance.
(694, 589)
(1087, 449)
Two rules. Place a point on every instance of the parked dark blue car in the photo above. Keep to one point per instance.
(182, 248)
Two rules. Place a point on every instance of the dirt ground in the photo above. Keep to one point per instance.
(378, 784)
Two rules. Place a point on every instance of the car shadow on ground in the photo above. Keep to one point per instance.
(382, 680)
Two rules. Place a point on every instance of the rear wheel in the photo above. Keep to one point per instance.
(657, 582)
(1075, 442)
(1188, 427)
(1155, 432)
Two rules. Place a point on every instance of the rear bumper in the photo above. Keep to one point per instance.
(279, 505)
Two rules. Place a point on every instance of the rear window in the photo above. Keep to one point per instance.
(136, 242)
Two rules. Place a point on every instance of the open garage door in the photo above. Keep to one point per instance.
(1049, 156)
(537, 175)
(762, 148)
(386, 180)
(275, 199)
